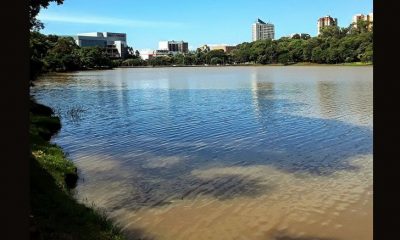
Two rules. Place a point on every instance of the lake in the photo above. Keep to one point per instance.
(279, 153)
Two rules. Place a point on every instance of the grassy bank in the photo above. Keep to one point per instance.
(338, 64)
(55, 214)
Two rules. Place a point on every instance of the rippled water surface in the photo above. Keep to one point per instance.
(279, 153)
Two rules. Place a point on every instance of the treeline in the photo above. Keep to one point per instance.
(334, 45)
(52, 53)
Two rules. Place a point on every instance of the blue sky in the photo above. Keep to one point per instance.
(198, 22)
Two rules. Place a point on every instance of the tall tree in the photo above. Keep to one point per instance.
(34, 9)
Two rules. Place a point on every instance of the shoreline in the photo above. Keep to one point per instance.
(302, 64)
(55, 213)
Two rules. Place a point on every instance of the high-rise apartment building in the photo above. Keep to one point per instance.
(174, 46)
(325, 22)
(368, 18)
(262, 30)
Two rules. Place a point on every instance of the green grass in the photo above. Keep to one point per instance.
(55, 214)
(339, 64)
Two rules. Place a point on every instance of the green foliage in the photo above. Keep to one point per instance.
(132, 62)
(360, 27)
(333, 32)
(215, 56)
(63, 56)
(334, 45)
(94, 57)
(55, 214)
(34, 9)
(160, 61)
(39, 45)
(52, 53)
(216, 60)
(178, 59)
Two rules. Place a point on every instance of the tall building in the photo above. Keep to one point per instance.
(114, 43)
(368, 18)
(262, 30)
(325, 22)
(174, 46)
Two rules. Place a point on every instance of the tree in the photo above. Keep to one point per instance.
(63, 56)
(178, 59)
(161, 60)
(216, 60)
(317, 55)
(217, 54)
(94, 57)
(361, 26)
(39, 47)
(296, 36)
(331, 32)
(242, 52)
(34, 9)
(367, 56)
(296, 50)
(132, 62)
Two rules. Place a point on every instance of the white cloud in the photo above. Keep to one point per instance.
(48, 17)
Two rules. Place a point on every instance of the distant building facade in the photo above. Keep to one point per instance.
(368, 18)
(114, 43)
(149, 54)
(146, 53)
(174, 46)
(262, 30)
(325, 22)
(226, 48)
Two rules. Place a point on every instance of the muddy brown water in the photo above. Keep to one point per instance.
(279, 153)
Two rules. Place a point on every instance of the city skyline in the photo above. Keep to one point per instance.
(199, 23)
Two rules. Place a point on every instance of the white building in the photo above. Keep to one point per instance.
(368, 18)
(115, 43)
(163, 45)
(262, 30)
(173, 46)
(146, 54)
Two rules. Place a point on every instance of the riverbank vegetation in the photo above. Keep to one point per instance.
(334, 45)
(53, 53)
(55, 214)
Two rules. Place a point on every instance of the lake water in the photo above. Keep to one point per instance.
(279, 153)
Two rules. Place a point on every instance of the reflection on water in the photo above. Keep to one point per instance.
(223, 153)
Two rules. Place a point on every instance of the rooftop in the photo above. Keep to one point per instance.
(260, 21)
